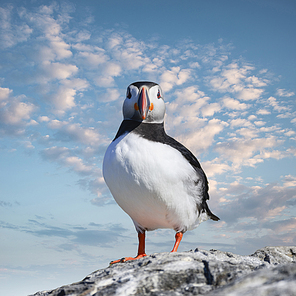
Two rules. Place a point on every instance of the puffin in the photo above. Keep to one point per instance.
(156, 180)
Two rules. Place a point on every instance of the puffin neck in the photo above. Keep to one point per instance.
(143, 129)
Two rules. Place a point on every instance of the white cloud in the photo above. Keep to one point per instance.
(77, 165)
(194, 65)
(248, 151)
(289, 181)
(259, 203)
(200, 140)
(255, 81)
(112, 69)
(273, 102)
(127, 51)
(95, 59)
(51, 28)
(4, 93)
(64, 98)
(58, 70)
(108, 71)
(262, 112)
(234, 104)
(215, 167)
(240, 122)
(16, 112)
(104, 81)
(284, 93)
(259, 123)
(250, 93)
(43, 118)
(210, 109)
(233, 79)
(290, 133)
(249, 132)
(76, 83)
(175, 76)
(63, 156)
(252, 117)
(114, 41)
(56, 124)
(10, 33)
(75, 132)
(112, 94)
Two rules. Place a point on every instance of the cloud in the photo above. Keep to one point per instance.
(75, 132)
(111, 94)
(101, 236)
(215, 167)
(233, 104)
(187, 107)
(273, 102)
(247, 152)
(234, 123)
(235, 80)
(5, 203)
(174, 76)
(11, 34)
(65, 157)
(259, 203)
(43, 20)
(57, 70)
(284, 93)
(126, 51)
(210, 109)
(95, 59)
(262, 112)
(16, 112)
(200, 140)
(108, 72)
(4, 93)
(64, 98)
(250, 93)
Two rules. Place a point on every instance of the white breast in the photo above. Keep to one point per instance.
(153, 183)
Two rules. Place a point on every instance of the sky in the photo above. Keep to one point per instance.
(227, 71)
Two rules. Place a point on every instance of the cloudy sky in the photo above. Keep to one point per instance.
(227, 70)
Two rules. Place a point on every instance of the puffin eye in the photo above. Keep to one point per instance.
(128, 93)
(158, 94)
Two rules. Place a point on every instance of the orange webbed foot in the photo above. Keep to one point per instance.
(124, 259)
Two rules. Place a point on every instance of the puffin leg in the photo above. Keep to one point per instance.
(141, 250)
(178, 238)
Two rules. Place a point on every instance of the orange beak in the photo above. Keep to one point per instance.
(143, 103)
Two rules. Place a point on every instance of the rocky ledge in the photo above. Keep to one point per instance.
(269, 271)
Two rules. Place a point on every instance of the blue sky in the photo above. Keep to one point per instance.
(227, 70)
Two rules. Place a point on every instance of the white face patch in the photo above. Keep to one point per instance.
(155, 104)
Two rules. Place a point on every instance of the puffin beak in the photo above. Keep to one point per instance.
(143, 103)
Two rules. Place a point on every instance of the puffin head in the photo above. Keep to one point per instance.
(144, 102)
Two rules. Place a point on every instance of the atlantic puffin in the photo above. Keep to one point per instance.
(156, 180)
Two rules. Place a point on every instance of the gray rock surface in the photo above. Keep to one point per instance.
(269, 271)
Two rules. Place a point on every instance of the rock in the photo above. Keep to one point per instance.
(199, 272)
(276, 281)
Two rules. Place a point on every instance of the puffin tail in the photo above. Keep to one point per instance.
(213, 217)
(210, 214)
